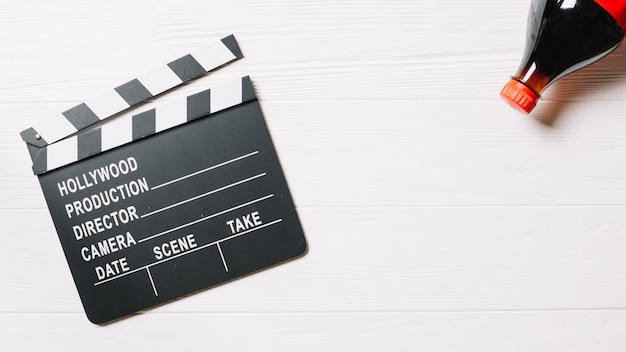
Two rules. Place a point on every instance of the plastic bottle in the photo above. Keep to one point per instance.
(563, 36)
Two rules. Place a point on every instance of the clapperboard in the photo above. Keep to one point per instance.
(178, 198)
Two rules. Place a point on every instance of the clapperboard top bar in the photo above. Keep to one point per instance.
(128, 129)
(49, 150)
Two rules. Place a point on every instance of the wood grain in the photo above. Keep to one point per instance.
(437, 218)
(550, 331)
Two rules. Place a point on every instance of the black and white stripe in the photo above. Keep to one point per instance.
(133, 92)
(126, 129)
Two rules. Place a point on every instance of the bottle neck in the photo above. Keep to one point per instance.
(532, 78)
(616, 8)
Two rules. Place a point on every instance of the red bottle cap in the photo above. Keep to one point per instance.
(617, 9)
(519, 96)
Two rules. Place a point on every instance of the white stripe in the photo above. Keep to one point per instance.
(170, 115)
(159, 80)
(55, 128)
(117, 132)
(226, 96)
(212, 56)
(107, 104)
(62, 153)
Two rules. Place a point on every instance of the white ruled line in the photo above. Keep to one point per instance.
(205, 170)
(204, 194)
(206, 218)
(152, 282)
(189, 252)
(222, 255)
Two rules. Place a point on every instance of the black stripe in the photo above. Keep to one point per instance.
(144, 124)
(133, 92)
(232, 45)
(89, 143)
(81, 116)
(247, 90)
(40, 165)
(186, 68)
(199, 105)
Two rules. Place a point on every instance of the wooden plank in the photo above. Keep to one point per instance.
(476, 331)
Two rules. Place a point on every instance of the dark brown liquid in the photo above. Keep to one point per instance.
(563, 36)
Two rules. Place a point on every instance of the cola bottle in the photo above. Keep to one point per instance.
(563, 36)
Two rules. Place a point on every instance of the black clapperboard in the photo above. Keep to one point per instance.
(169, 201)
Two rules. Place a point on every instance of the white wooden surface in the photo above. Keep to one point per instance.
(438, 219)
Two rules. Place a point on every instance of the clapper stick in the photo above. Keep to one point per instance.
(132, 128)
